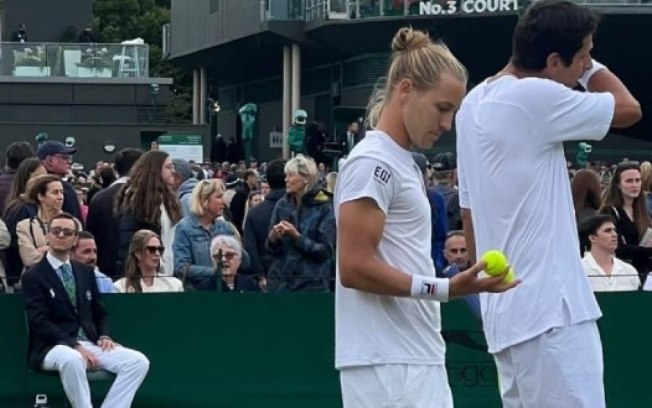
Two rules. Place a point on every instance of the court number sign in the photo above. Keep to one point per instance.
(445, 7)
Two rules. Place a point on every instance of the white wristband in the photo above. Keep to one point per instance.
(586, 77)
(427, 287)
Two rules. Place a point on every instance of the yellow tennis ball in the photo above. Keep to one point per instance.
(496, 264)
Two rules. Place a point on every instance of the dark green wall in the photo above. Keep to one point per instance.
(262, 351)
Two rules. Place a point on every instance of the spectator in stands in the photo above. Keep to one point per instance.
(184, 182)
(227, 256)
(231, 183)
(255, 198)
(301, 237)
(20, 35)
(587, 194)
(438, 219)
(646, 184)
(82, 194)
(256, 226)
(625, 202)
(28, 169)
(331, 181)
(103, 179)
(87, 36)
(55, 156)
(147, 201)
(445, 173)
(15, 154)
(316, 140)
(5, 240)
(143, 267)
(264, 187)
(46, 192)
(347, 140)
(19, 208)
(455, 251)
(457, 258)
(192, 240)
(68, 324)
(606, 272)
(85, 252)
(102, 222)
(239, 202)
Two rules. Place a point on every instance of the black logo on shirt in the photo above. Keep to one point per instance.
(382, 174)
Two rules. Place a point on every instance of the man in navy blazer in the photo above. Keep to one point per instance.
(69, 330)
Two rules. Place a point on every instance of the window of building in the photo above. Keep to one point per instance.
(213, 6)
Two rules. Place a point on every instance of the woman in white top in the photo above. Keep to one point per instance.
(143, 267)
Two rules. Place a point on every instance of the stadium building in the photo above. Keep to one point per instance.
(325, 57)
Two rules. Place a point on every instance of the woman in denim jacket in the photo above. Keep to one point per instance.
(301, 238)
(193, 263)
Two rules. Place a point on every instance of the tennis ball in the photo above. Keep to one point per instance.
(496, 264)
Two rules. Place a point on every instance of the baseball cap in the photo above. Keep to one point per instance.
(444, 162)
(421, 161)
(52, 148)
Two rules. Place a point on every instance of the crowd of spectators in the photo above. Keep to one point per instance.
(151, 223)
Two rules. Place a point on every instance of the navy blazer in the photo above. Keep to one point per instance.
(51, 316)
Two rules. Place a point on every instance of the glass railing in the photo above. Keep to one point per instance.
(74, 60)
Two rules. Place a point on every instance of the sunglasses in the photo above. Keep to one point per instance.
(226, 255)
(154, 249)
(67, 232)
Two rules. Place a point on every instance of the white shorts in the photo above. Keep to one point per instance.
(560, 368)
(395, 386)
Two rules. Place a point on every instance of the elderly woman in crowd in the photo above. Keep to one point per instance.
(46, 191)
(302, 232)
(626, 203)
(147, 201)
(192, 240)
(18, 208)
(142, 267)
(227, 255)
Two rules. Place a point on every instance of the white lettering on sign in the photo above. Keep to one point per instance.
(467, 7)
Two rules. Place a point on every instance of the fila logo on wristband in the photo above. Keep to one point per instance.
(429, 288)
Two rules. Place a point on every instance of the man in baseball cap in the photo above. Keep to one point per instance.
(55, 157)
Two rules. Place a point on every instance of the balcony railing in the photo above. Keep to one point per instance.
(74, 60)
(310, 10)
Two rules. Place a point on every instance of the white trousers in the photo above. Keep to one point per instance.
(130, 367)
(395, 386)
(560, 368)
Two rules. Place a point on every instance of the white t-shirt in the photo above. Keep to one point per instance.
(373, 329)
(513, 177)
(623, 275)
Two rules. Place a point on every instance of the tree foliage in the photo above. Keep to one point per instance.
(119, 20)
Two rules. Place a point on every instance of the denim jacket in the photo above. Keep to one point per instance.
(192, 250)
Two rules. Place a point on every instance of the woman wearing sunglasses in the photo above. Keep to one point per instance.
(142, 267)
(46, 192)
(227, 253)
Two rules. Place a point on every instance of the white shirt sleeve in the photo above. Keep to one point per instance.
(367, 178)
(567, 115)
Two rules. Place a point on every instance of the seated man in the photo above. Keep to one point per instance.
(606, 272)
(69, 326)
(85, 252)
(457, 259)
